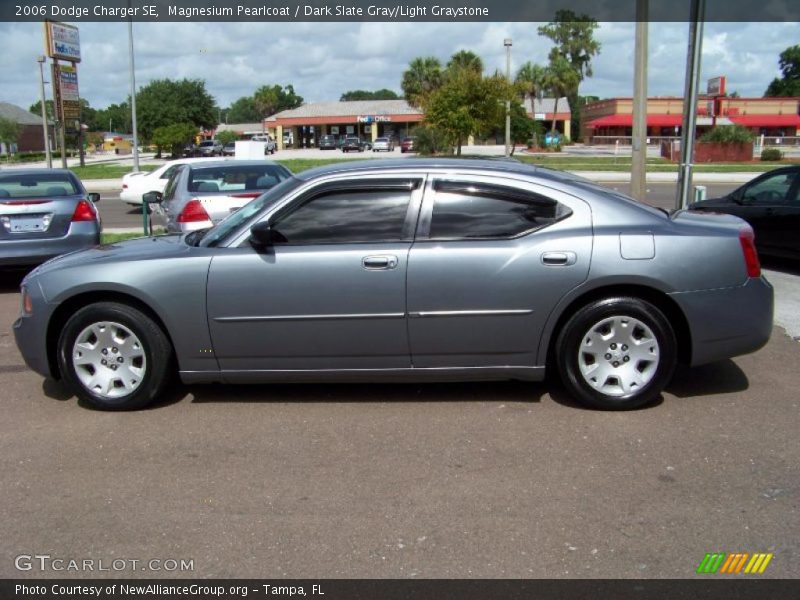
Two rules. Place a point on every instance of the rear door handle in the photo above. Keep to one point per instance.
(379, 263)
(559, 259)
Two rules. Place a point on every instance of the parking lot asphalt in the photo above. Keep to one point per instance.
(439, 480)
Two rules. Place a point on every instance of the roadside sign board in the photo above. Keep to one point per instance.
(66, 96)
(716, 86)
(63, 41)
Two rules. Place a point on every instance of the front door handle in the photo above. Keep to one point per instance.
(559, 259)
(379, 263)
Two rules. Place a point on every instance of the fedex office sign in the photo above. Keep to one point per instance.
(64, 41)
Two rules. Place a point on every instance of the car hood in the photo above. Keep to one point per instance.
(145, 248)
(710, 203)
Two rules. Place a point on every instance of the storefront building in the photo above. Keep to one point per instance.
(607, 121)
(370, 119)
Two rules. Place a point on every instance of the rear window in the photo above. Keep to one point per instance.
(382, 140)
(236, 178)
(209, 143)
(37, 185)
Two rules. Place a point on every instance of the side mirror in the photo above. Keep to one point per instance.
(261, 234)
(93, 197)
(152, 198)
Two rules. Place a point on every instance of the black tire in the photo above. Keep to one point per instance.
(155, 344)
(579, 332)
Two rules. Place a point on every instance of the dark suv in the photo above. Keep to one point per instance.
(327, 142)
(352, 144)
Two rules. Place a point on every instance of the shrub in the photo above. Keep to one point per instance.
(431, 141)
(771, 154)
(728, 134)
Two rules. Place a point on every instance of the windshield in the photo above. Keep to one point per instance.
(37, 185)
(233, 223)
(231, 178)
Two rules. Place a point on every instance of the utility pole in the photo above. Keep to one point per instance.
(45, 128)
(507, 44)
(639, 140)
(690, 102)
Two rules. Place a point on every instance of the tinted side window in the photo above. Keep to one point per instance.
(166, 174)
(347, 216)
(465, 210)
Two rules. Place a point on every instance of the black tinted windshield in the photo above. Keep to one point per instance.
(248, 213)
(37, 185)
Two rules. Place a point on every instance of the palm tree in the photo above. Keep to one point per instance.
(424, 74)
(530, 80)
(465, 59)
(560, 78)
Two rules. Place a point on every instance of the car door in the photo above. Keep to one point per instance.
(767, 204)
(330, 293)
(492, 258)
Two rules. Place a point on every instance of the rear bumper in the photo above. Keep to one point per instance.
(33, 251)
(728, 322)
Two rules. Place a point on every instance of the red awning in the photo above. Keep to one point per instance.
(766, 120)
(627, 121)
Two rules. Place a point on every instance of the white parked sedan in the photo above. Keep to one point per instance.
(383, 144)
(135, 185)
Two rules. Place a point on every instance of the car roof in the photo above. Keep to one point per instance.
(499, 165)
(234, 163)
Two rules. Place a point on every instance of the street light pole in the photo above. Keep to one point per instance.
(133, 100)
(41, 60)
(507, 44)
(639, 140)
(690, 101)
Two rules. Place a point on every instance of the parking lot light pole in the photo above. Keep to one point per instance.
(145, 206)
(507, 44)
(41, 60)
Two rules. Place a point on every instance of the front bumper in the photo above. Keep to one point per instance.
(30, 333)
(728, 322)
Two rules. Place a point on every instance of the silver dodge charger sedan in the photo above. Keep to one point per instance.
(420, 270)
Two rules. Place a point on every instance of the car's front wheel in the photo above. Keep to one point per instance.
(617, 353)
(114, 356)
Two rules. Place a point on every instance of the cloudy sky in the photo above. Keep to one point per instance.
(322, 60)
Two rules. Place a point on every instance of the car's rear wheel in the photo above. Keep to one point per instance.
(114, 356)
(617, 353)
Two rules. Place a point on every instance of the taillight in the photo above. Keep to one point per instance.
(193, 212)
(124, 186)
(84, 211)
(747, 240)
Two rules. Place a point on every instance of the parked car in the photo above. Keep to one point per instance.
(366, 145)
(270, 146)
(209, 148)
(432, 270)
(352, 144)
(771, 204)
(407, 145)
(44, 213)
(327, 142)
(138, 183)
(383, 144)
(199, 195)
(189, 150)
(229, 149)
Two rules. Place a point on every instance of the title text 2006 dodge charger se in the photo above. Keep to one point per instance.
(406, 270)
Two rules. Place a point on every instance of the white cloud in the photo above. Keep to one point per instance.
(322, 60)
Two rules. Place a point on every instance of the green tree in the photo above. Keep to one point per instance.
(523, 128)
(789, 82)
(573, 36)
(9, 134)
(270, 99)
(227, 136)
(115, 117)
(164, 102)
(467, 104)
(382, 94)
(560, 79)
(423, 76)
(36, 109)
(243, 110)
(465, 59)
(173, 137)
